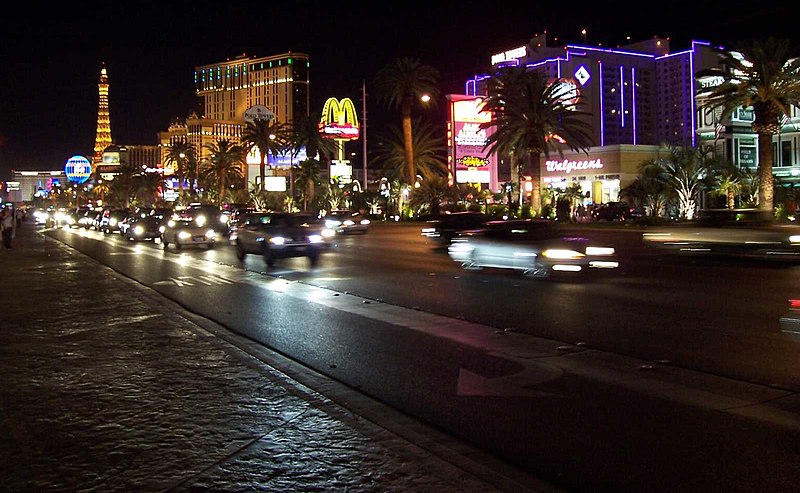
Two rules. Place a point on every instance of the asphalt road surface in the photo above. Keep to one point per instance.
(669, 374)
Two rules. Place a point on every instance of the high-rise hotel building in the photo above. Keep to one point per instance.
(227, 89)
(642, 96)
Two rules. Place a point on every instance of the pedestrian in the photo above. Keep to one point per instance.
(20, 216)
(7, 224)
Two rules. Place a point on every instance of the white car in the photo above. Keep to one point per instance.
(185, 232)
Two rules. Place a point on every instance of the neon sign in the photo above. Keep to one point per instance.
(568, 166)
(473, 161)
(78, 169)
(509, 55)
(339, 120)
(471, 135)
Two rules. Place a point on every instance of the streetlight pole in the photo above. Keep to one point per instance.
(364, 130)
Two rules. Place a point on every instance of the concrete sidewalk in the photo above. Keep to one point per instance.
(108, 386)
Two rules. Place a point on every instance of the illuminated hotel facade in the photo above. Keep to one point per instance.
(228, 89)
(641, 97)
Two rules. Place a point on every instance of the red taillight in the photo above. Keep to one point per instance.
(795, 304)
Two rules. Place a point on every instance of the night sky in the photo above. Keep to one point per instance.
(50, 56)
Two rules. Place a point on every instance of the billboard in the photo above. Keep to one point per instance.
(78, 169)
(339, 120)
(469, 160)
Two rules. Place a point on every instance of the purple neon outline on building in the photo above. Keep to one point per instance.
(607, 50)
(602, 115)
(633, 93)
(621, 97)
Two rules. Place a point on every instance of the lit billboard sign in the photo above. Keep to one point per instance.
(568, 166)
(78, 169)
(339, 120)
(509, 55)
(473, 163)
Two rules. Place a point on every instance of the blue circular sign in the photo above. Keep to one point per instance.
(78, 169)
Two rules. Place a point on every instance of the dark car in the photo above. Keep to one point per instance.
(208, 215)
(276, 235)
(345, 222)
(109, 222)
(74, 218)
(137, 227)
(536, 247)
(448, 226)
(615, 211)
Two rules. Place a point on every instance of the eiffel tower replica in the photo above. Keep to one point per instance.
(103, 138)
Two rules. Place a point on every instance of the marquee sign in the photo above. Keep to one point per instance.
(568, 166)
(339, 120)
(468, 138)
(78, 169)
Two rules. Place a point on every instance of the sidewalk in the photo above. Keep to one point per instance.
(107, 386)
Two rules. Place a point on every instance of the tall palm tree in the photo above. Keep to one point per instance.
(400, 85)
(430, 149)
(685, 169)
(269, 137)
(182, 157)
(533, 116)
(224, 165)
(307, 178)
(760, 75)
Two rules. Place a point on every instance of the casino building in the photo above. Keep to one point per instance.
(641, 97)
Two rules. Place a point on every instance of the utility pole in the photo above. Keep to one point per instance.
(364, 130)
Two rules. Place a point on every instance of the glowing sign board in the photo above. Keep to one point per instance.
(339, 120)
(568, 166)
(78, 169)
(472, 162)
(509, 55)
(258, 112)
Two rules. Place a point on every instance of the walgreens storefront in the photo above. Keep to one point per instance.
(601, 172)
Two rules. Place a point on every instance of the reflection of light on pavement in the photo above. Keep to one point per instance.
(184, 260)
(331, 278)
(280, 286)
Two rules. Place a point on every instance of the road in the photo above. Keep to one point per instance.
(552, 376)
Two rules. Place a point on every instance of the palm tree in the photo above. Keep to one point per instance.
(760, 75)
(307, 178)
(400, 84)
(685, 169)
(101, 189)
(431, 193)
(224, 165)
(650, 189)
(429, 151)
(269, 137)
(533, 116)
(727, 181)
(182, 157)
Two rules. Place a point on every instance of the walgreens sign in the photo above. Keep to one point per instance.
(568, 166)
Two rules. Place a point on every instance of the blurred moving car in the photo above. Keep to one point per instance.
(535, 247)
(74, 218)
(729, 232)
(277, 235)
(345, 222)
(109, 222)
(615, 211)
(448, 226)
(208, 215)
(141, 226)
(183, 231)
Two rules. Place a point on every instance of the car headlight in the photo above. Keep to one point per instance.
(70, 220)
(223, 219)
(138, 231)
(365, 221)
(112, 222)
(327, 233)
(794, 239)
(315, 239)
(599, 251)
(277, 240)
(184, 235)
(348, 222)
(171, 223)
(161, 229)
(200, 220)
(211, 234)
(59, 216)
(560, 254)
(332, 223)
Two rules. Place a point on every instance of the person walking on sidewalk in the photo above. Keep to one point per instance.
(7, 224)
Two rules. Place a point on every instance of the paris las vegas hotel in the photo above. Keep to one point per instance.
(641, 96)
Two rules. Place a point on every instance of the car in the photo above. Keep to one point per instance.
(183, 231)
(536, 247)
(140, 226)
(735, 233)
(74, 218)
(442, 230)
(277, 235)
(109, 222)
(87, 219)
(236, 217)
(345, 222)
(208, 215)
(615, 211)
